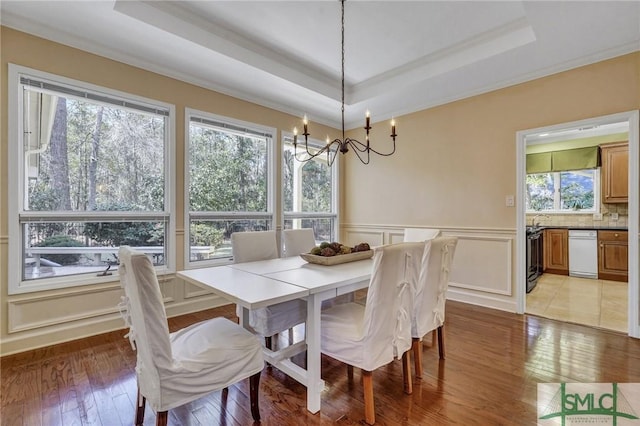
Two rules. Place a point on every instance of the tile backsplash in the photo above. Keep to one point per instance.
(582, 219)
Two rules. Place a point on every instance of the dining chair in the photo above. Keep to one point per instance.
(271, 320)
(419, 234)
(370, 336)
(174, 369)
(298, 241)
(430, 297)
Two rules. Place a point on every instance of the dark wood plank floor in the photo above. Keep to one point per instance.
(494, 362)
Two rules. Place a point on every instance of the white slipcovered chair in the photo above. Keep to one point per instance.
(297, 241)
(430, 296)
(173, 369)
(274, 319)
(371, 336)
(419, 234)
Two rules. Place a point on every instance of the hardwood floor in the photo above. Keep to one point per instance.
(494, 361)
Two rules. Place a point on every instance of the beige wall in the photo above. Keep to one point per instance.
(41, 318)
(452, 170)
(455, 163)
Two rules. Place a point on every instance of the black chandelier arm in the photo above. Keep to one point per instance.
(363, 147)
(359, 152)
(311, 155)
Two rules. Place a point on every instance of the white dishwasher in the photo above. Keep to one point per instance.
(583, 253)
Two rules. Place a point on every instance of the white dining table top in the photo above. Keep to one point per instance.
(318, 278)
(262, 267)
(246, 289)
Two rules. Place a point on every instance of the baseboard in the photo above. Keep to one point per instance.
(484, 300)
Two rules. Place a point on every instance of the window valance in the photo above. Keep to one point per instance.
(560, 161)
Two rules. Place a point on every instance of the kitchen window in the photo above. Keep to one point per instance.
(574, 191)
(92, 172)
(229, 183)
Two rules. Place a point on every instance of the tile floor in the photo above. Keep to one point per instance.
(598, 303)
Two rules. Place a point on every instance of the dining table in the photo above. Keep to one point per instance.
(253, 285)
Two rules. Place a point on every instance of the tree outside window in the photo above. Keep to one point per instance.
(569, 191)
(92, 178)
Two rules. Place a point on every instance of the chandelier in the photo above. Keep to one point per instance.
(362, 150)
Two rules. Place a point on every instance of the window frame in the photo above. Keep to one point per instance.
(557, 201)
(287, 137)
(269, 214)
(17, 215)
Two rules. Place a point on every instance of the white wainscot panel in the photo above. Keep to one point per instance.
(374, 238)
(42, 311)
(192, 290)
(33, 312)
(483, 264)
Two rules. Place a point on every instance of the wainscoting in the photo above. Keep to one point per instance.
(58, 316)
(482, 274)
(482, 271)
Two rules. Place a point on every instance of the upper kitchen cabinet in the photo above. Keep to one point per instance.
(615, 172)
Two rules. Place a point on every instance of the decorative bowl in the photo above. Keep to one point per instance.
(337, 259)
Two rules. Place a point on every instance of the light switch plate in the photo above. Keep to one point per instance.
(597, 216)
(509, 201)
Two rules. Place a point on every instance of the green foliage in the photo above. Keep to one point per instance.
(539, 192)
(227, 172)
(203, 234)
(124, 233)
(61, 241)
(129, 161)
(316, 188)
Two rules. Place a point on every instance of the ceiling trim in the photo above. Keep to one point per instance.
(56, 35)
(510, 36)
(182, 23)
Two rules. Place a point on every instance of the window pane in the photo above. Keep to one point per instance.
(211, 239)
(84, 156)
(227, 171)
(571, 191)
(540, 190)
(68, 248)
(576, 190)
(323, 228)
(307, 187)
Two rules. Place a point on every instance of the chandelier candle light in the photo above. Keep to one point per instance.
(362, 150)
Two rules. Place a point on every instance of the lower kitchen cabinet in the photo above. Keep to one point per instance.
(613, 255)
(556, 251)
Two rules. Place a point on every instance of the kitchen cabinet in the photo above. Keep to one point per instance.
(615, 172)
(556, 251)
(613, 255)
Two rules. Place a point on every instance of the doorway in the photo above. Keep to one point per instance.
(629, 120)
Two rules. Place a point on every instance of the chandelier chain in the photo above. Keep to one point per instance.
(343, 132)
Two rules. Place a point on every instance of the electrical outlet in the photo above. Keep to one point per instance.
(597, 216)
(614, 216)
(509, 200)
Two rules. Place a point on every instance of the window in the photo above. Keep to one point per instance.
(309, 193)
(229, 181)
(92, 173)
(564, 192)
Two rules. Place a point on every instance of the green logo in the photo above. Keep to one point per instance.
(587, 401)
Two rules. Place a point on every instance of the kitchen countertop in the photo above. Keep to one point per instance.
(594, 227)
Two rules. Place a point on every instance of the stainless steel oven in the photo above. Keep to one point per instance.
(534, 256)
